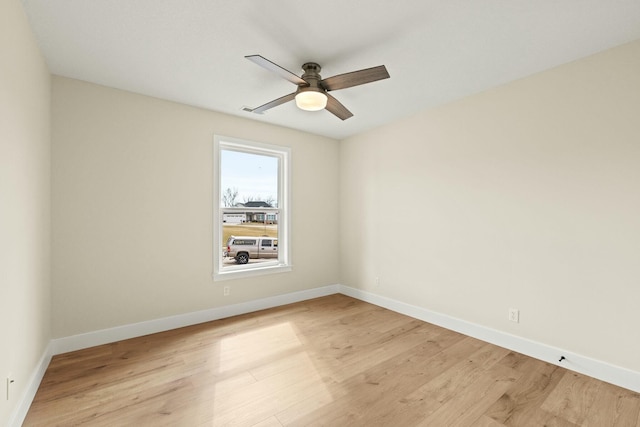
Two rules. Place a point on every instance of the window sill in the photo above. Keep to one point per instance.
(238, 273)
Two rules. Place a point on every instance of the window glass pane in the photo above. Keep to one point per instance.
(249, 179)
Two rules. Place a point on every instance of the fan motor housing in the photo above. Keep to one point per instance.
(311, 74)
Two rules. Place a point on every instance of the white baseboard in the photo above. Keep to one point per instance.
(575, 362)
(105, 336)
(594, 368)
(17, 417)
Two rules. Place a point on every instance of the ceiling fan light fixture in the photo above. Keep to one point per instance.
(311, 100)
(312, 93)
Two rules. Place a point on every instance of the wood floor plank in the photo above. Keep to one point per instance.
(329, 361)
(515, 407)
(470, 402)
(269, 422)
(613, 406)
(572, 398)
(373, 391)
(486, 421)
(451, 384)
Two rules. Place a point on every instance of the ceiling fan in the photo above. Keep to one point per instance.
(311, 94)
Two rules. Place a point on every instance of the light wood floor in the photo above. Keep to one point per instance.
(330, 361)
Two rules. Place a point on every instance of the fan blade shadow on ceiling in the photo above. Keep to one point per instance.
(278, 32)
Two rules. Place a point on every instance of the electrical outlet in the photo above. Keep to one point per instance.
(226, 291)
(377, 282)
(514, 315)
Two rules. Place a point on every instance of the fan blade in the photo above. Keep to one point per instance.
(336, 108)
(275, 68)
(261, 109)
(355, 78)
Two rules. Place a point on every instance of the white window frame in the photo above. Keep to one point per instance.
(283, 263)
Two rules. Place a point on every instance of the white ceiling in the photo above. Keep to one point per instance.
(436, 51)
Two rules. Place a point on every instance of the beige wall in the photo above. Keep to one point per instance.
(525, 196)
(24, 204)
(132, 209)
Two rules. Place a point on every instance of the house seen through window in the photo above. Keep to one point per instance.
(251, 207)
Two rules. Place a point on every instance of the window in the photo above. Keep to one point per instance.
(251, 208)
